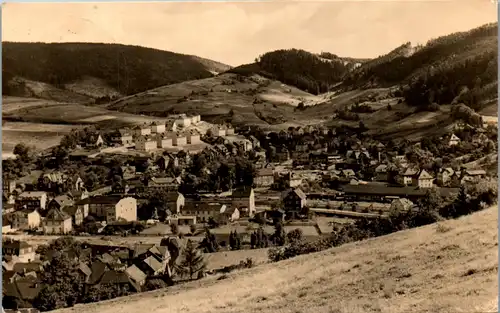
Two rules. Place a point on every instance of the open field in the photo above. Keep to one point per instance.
(38, 135)
(439, 268)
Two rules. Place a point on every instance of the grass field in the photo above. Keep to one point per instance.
(447, 267)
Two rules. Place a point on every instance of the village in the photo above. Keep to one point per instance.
(188, 179)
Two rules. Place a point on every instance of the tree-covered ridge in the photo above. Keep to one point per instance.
(298, 68)
(128, 69)
(402, 64)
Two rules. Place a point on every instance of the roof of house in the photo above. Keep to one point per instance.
(32, 194)
(135, 273)
(404, 202)
(410, 172)
(140, 249)
(35, 266)
(100, 200)
(153, 263)
(63, 201)
(107, 258)
(85, 269)
(98, 269)
(165, 180)
(424, 175)
(454, 137)
(296, 191)
(173, 196)
(192, 205)
(70, 210)
(475, 172)
(114, 277)
(56, 176)
(244, 192)
(56, 214)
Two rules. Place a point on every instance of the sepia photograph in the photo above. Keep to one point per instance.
(252, 156)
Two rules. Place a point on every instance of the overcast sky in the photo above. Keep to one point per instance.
(236, 33)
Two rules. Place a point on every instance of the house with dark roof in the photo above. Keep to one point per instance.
(57, 221)
(25, 289)
(382, 193)
(76, 213)
(244, 200)
(294, 200)
(203, 210)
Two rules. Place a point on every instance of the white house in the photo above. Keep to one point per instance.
(171, 126)
(229, 131)
(425, 180)
(142, 130)
(195, 119)
(145, 143)
(454, 140)
(184, 121)
(157, 128)
(193, 137)
(164, 141)
(218, 131)
(179, 139)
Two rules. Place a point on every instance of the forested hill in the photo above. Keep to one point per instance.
(127, 69)
(444, 54)
(299, 68)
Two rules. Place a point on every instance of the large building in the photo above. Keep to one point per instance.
(111, 208)
(34, 200)
(244, 200)
(57, 222)
(145, 143)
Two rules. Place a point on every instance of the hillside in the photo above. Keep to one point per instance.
(241, 100)
(460, 67)
(450, 267)
(63, 71)
(307, 71)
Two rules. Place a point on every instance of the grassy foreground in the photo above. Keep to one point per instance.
(446, 267)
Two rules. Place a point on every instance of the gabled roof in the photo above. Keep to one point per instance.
(454, 137)
(410, 172)
(63, 201)
(55, 214)
(114, 277)
(100, 200)
(475, 172)
(153, 263)
(424, 175)
(135, 273)
(140, 249)
(98, 269)
(296, 191)
(85, 269)
(32, 194)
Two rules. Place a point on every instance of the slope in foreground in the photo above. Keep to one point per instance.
(450, 267)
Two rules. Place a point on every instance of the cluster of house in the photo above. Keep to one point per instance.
(175, 132)
(99, 265)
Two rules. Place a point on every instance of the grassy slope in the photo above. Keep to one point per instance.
(94, 70)
(216, 104)
(450, 267)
